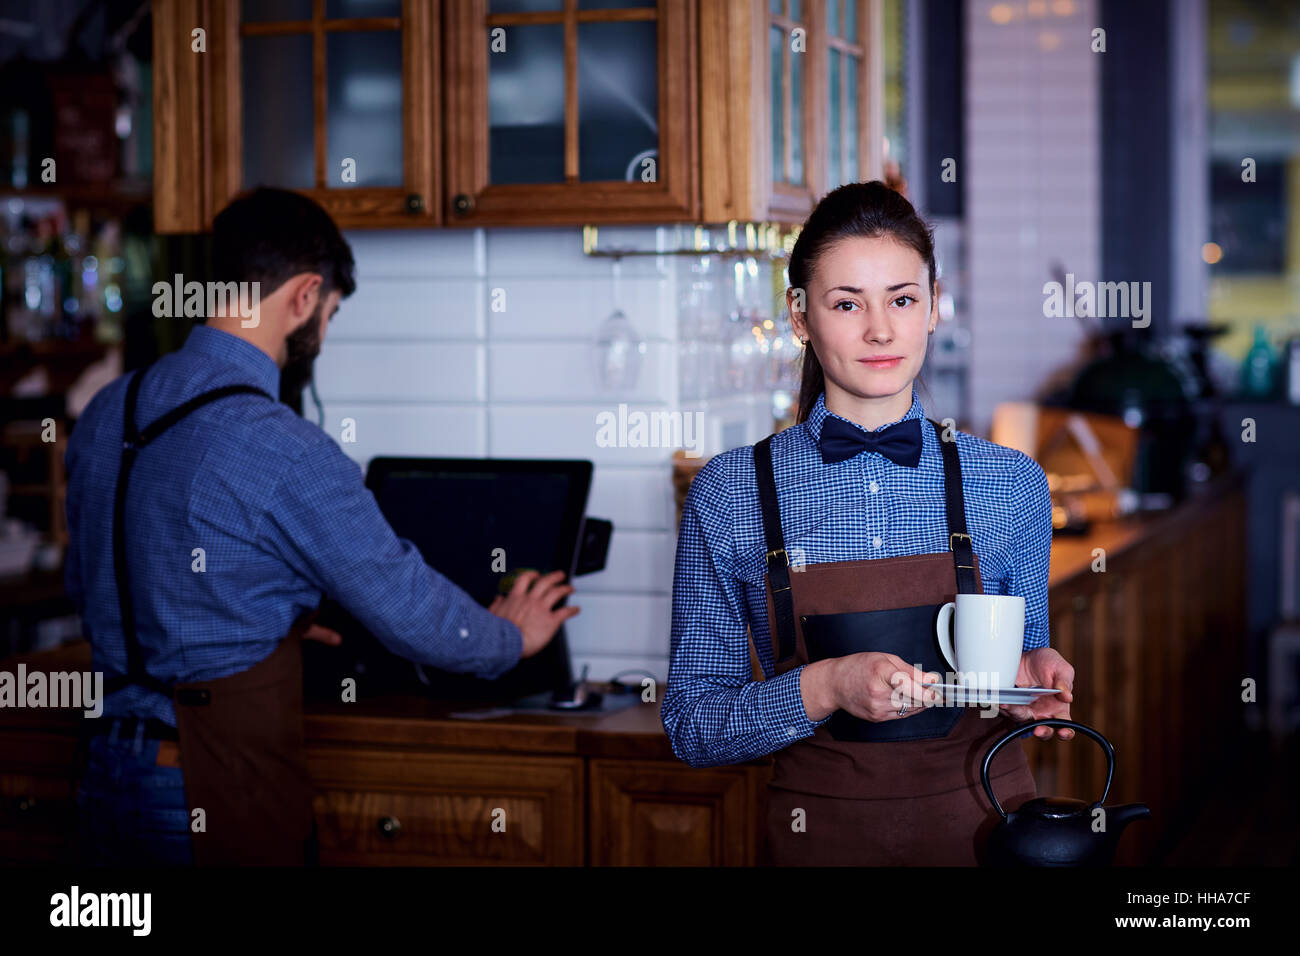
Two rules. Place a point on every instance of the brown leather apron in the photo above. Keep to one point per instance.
(241, 737)
(900, 792)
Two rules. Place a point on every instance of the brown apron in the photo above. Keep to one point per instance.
(899, 792)
(241, 737)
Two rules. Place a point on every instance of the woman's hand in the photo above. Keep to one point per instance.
(1044, 667)
(874, 686)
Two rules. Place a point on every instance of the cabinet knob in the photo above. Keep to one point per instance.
(1080, 602)
(461, 204)
(414, 203)
(390, 827)
(26, 804)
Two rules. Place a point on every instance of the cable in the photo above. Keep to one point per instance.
(320, 409)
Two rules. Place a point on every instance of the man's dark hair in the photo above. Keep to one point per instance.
(270, 235)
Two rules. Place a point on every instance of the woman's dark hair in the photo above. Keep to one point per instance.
(865, 210)
(270, 235)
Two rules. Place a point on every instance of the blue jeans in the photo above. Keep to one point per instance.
(132, 812)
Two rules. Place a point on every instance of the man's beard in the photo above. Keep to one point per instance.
(302, 345)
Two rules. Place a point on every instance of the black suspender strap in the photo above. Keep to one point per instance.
(959, 541)
(778, 562)
(133, 439)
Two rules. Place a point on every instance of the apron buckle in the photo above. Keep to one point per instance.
(773, 566)
(193, 696)
(953, 547)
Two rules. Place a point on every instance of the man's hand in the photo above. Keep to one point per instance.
(1045, 667)
(530, 606)
(322, 634)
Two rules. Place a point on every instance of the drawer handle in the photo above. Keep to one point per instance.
(390, 827)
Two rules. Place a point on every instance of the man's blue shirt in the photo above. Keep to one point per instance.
(281, 515)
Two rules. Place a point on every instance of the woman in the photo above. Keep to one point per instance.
(862, 506)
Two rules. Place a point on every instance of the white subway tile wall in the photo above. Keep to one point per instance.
(1032, 188)
(481, 343)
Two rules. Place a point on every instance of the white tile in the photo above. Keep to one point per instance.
(558, 252)
(633, 498)
(417, 431)
(638, 561)
(415, 252)
(566, 371)
(573, 308)
(558, 431)
(413, 372)
(619, 624)
(411, 309)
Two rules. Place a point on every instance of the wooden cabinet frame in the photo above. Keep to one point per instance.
(199, 162)
(472, 201)
(737, 179)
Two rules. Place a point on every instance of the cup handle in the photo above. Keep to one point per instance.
(943, 631)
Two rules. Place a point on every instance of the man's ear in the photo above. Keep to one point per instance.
(304, 294)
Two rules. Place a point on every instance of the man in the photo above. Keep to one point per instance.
(204, 532)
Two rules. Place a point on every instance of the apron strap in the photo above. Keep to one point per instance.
(133, 439)
(778, 562)
(959, 541)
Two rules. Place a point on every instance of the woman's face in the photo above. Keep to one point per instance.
(869, 315)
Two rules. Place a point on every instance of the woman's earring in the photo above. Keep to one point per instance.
(803, 342)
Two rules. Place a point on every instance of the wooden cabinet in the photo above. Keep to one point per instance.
(791, 104)
(412, 808)
(337, 99)
(562, 111)
(647, 813)
(514, 112)
(1154, 638)
(38, 786)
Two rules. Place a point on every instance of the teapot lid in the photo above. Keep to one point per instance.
(1054, 808)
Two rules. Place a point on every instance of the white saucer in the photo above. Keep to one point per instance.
(956, 694)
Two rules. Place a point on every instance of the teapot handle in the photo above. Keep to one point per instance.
(1046, 722)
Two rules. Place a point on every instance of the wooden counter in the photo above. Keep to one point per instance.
(1157, 641)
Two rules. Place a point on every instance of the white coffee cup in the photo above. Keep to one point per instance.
(990, 638)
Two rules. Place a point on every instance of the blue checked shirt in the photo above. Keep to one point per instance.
(861, 508)
(281, 514)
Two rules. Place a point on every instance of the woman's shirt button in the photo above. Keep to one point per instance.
(875, 542)
(874, 487)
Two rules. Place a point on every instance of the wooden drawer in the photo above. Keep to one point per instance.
(376, 807)
(648, 813)
(38, 791)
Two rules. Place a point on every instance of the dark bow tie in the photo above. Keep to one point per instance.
(900, 442)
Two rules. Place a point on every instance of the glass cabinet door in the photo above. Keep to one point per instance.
(568, 106)
(793, 32)
(333, 98)
(845, 88)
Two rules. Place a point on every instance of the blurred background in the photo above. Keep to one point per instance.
(548, 231)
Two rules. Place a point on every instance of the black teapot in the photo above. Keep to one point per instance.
(1057, 831)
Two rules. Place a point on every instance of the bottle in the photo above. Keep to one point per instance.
(1293, 370)
(1258, 369)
